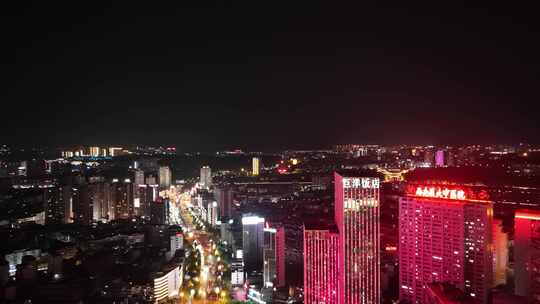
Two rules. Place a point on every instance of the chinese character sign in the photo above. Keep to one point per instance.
(361, 182)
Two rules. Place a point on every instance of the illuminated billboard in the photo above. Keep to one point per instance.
(447, 191)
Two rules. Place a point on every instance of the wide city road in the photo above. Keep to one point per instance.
(204, 264)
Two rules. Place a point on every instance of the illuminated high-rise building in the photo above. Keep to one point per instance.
(439, 158)
(176, 243)
(122, 195)
(212, 213)
(147, 195)
(444, 236)
(321, 259)
(252, 242)
(58, 204)
(224, 197)
(138, 177)
(102, 205)
(94, 151)
(280, 257)
(150, 180)
(255, 166)
(206, 177)
(357, 219)
(527, 254)
(269, 256)
(165, 177)
(500, 253)
(83, 205)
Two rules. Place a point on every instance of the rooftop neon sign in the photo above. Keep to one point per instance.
(441, 192)
(448, 191)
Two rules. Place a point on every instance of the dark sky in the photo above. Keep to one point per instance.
(267, 74)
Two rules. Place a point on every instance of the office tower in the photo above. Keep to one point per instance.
(252, 242)
(500, 253)
(280, 257)
(95, 193)
(212, 213)
(147, 195)
(206, 177)
(224, 197)
(122, 194)
(444, 236)
(100, 195)
(255, 166)
(138, 177)
(269, 256)
(164, 177)
(151, 180)
(439, 158)
(527, 254)
(321, 262)
(176, 243)
(479, 250)
(357, 219)
(159, 212)
(58, 207)
(82, 204)
(94, 151)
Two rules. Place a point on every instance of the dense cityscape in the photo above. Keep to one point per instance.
(292, 152)
(350, 224)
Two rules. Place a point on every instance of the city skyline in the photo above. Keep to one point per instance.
(300, 152)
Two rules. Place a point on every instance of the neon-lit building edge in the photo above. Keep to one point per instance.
(357, 219)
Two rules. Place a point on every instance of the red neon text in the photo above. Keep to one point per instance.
(441, 193)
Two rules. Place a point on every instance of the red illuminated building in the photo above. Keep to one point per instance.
(445, 236)
(280, 257)
(527, 254)
(357, 219)
(320, 263)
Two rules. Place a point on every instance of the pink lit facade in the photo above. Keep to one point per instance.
(357, 219)
(320, 265)
(444, 240)
(439, 158)
(280, 257)
(527, 254)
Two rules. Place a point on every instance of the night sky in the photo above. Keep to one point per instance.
(267, 74)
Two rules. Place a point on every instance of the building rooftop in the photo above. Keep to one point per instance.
(359, 173)
(320, 224)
